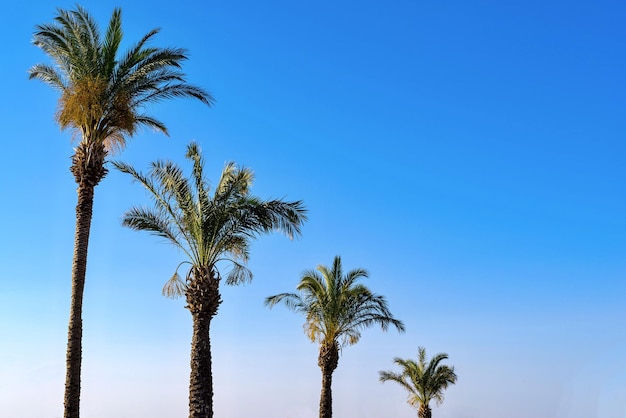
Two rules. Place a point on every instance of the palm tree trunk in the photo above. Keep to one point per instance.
(201, 378)
(327, 360)
(75, 329)
(88, 170)
(203, 300)
(424, 411)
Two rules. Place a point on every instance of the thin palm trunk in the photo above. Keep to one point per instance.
(84, 210)
(328, 361)
(88, 170)
(201, 378)
(326, 397)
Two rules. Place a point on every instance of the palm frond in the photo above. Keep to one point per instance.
(151, 122)
(144, 219)
(175, 287)
(386, 376)
(238, 274)
(291, 300)
(179, 90)
(201, 185)
(112, 41)
(48, 75)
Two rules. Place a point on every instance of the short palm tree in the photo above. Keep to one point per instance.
(337, 308)
(210, 229)
(423, 380)
(102, 95)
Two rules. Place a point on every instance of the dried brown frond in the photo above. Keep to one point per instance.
(82, 105)
(121, 121)
(87, 108)
(174, 287)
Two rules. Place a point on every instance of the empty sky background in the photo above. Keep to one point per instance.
(470, 155)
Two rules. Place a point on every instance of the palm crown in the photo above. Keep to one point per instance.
(425, 381)
(337, 308)
(208, 227)
(102, 95)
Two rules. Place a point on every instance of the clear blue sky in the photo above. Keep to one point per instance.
(470, 155)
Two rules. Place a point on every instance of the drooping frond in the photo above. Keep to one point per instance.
(276, 215)
(151, 122)
(175, 287)
(238, 274)
(291, 300)
(386, 376)
(144, 219)
(172, 91)
(49, 75)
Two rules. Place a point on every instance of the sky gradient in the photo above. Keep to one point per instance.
(469, 155)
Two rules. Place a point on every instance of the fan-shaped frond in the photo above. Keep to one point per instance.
(175, 287)
(239, 274)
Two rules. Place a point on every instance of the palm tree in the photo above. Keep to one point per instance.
(337, 308)
(423, 380)
(102, 96)
(210, 229)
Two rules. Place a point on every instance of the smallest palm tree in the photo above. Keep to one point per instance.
(423, 380)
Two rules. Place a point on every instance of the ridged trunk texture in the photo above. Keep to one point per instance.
(424, 412)
(88, 170)
(328, 360)
(203, 300)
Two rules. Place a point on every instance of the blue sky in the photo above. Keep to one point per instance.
(470, 155)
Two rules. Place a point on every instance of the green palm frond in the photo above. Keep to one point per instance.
(234, 183)
(48, 75)
(144, 219)
(151, 122)
(386, 376)
(291, 300)
(112, 41)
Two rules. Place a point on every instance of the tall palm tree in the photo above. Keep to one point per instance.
(337, 308)
(423, 380)
(210, 229)
(102, 97)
